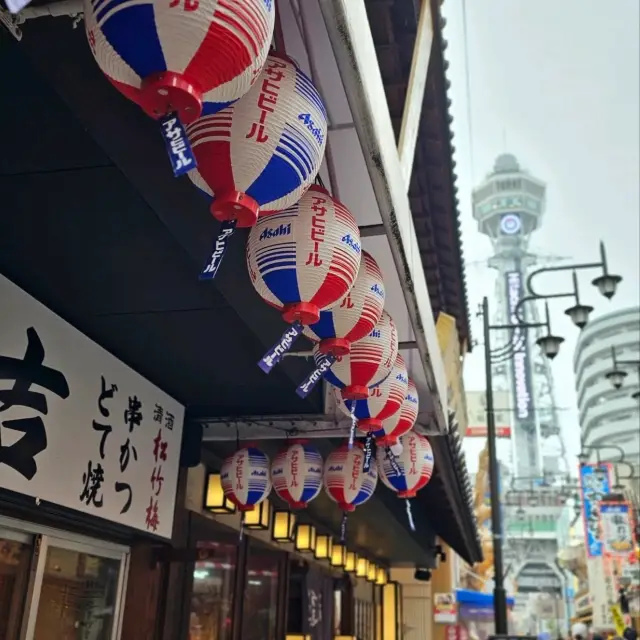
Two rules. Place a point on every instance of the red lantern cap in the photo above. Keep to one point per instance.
(164, 92)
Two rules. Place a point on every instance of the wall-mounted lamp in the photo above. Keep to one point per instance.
(284, 525)
(306, 538)
(338, 555)
(351, 562)
(324, 546)
(259, 517)
(214, 498)
(382, 577)
(372, 572)
(362, 568)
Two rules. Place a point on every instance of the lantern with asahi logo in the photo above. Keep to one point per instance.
(261, 154)
(384, 400)
(345, 480)
(245, 478)
(296, 474)
(356, 315)
(182, 58)
(413, 467)
(400, 422)
(303, 260)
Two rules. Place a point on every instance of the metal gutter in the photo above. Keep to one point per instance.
(347, 26)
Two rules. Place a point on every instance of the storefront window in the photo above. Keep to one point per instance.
(260, 602)
(212, 596)
(15, 556)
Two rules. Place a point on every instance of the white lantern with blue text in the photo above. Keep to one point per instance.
(260, 155)
(192, 57)
(367, 364)
(296, 474)
(356, 315)
(383, 402)
(402, 421)
(345, 480)
(245, 478)
(410, 471)
(303, 260)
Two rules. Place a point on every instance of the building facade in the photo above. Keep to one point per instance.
(609, 416)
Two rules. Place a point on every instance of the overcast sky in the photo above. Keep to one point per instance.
(556, 83)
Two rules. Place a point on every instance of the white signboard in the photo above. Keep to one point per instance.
(80, 429)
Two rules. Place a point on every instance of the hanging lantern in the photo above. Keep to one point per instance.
(355, 316)
(296, 474)
(345, 481)
(367, 364)
(182, 56)
(400, 422)
(383, 402)
(261, 154)
(413, 467)
(303, 260)
(245, 478)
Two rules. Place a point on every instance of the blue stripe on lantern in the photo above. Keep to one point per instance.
(282, 282)
(210, 108)
(303, 148)
(331, 378)
(306, 88)
(277, 179)
(293, 154)
(362, 408)
(132, 33)
(399, 483)
(379, 434)
(324, 328)
(308, 493)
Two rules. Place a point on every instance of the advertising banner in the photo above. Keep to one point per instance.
(595, 482)
(617, 530)
(445, 609)
(477, 412)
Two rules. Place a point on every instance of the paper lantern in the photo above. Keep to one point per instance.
(367, 364)
(383, 402)
(356, 315)
(296, 474)
(414, 465)
(245, 478)
(263, 152)
(183, 56)
(400, 422)
(345, 481)
(305, 259)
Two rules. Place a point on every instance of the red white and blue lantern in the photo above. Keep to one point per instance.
(413, 467)
(302, 261)
(383, 402)
(260, 155)
(400, 422)
(296, 474)
(191, 57)
(245, 478)
(345, 480)
(367, 364)
(356, 315)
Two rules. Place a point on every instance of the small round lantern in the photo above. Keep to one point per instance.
(383, 402)
(262, 153)
(414, 466)
(367, 364)
(245, 478)
(400, 422)
(296, 474)
(305, 259)
(186, 56)
(355, 316)
(345, 480)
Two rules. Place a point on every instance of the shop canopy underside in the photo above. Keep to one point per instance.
(93, 225)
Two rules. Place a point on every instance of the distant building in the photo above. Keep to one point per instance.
(609, 416)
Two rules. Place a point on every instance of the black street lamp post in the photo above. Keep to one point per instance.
(550, 345)
(617, 375)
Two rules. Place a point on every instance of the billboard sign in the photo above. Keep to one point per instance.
(477, 414)
(595, 483)
(616, 524)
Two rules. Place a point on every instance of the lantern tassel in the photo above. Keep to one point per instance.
(394, 462)
(276, 353)
(368, 451)
(177, 144)
(412, 525)
(343, 528)
(354, 422)
(309, 383)
(226, 231)
(241, 532)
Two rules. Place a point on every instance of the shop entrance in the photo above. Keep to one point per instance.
(58, 586)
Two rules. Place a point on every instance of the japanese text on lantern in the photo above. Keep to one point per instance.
(355, 471)
(347, 303)
(268, 98)
(21, 455)
(187, 5)
(160, 449)
(317, 230)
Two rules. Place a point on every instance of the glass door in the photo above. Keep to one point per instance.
(16, 550)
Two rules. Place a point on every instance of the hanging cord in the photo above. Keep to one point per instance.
(320, 181)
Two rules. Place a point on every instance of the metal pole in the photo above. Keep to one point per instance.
(499, 593)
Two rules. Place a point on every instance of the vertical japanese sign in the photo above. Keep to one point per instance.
(595, 483)
(80, 429)
(618, 538)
